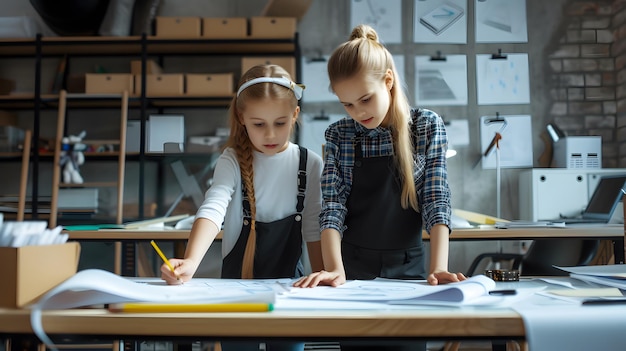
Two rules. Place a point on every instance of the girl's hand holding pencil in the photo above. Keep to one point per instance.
(167, 270)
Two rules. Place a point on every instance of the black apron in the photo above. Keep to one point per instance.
(381, 238)
(278, 244)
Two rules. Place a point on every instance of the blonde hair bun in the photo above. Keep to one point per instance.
(363, 31)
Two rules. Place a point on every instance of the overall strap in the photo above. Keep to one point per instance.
(358, 152)
(302, 178)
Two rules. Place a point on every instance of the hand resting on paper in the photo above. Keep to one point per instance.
(338, 278)
(444, 277)
(321, 278)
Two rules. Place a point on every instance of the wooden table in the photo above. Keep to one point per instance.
(612, 232)
(426, 324)
(605, 232)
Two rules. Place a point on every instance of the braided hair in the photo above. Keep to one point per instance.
(240, 142)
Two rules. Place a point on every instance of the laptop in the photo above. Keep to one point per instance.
(602, 204)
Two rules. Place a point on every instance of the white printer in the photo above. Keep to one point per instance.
(578, 152)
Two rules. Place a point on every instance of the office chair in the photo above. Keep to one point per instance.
(541, 255)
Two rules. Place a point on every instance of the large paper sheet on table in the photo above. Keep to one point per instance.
(556, 324)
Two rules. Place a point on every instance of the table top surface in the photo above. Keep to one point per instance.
(478, 233)
(427, 322)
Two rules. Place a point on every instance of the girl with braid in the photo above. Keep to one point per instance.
(265, 191)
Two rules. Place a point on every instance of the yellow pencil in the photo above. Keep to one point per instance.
(149, 307)
(167, 262)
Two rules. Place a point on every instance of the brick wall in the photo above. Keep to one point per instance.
(618, 51)
(588, 68)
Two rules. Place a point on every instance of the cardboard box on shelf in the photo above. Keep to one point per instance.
(216, 84)
(151, 67)
(166, 84)
(288, 63)
(108, 83)
(272, 27)
(178, 27)
(225, 27)
(30, 271)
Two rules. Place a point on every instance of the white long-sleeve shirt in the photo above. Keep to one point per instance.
(275, 189)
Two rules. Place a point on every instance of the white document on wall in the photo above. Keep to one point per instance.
(501, 21)
(502, 81)
(384, 16)
(313, 127)
(442, 81)
(440, 21)
(516, 147)
(315, 79)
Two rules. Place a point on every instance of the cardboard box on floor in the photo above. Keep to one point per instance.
(30, 271)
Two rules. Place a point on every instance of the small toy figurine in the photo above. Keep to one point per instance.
(72, 157)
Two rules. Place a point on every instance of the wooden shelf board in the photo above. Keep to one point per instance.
(132, 45)
(88, 185)
(51, 101)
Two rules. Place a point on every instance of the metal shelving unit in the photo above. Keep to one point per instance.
(142, 47)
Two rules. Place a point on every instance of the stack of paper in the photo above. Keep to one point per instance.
(18, 234)
(606, 275)
(401, 292)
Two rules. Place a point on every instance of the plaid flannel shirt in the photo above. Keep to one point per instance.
(429, 166)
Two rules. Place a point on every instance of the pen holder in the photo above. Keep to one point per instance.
(501, 275)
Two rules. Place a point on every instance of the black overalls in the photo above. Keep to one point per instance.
(278, 244)
(381, 238)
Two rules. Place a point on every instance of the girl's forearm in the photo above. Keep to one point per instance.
(203, 232)
(439, 242)
(314, 249)
(331, 251)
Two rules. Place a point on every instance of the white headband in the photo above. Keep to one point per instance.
(296, 88)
